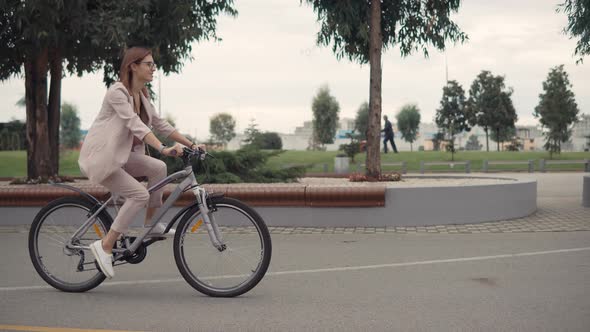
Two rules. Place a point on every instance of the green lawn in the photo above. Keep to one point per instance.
(318, 159)
(13, 163)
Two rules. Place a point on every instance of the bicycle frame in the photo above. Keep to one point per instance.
(189, 183)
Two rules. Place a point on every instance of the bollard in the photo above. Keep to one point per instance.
(542, 165)
(468, 166)
(485, 166)
(531, 166)
(586, 192)
(421, 167)
(404, 167)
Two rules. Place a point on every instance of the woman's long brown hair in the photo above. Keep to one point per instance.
(132, 55)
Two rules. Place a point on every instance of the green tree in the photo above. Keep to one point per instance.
(325, 110)
(251, 132)
(222, 127)
(408, 122)
(361, 122)
(451, 116)
(56, 37)
(352, 148)
(578, 14)
(489, 105)
(505, 134)
(472, 144)
(70, 126)
(268, 141)
(12, 135)
(361, 30)
(436, 140)
(557, 109)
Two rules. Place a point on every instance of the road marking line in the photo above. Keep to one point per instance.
(333, 269)
(52, 329)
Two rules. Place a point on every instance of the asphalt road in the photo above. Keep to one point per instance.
(340, 282)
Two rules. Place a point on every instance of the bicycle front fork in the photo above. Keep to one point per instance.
(208, 219)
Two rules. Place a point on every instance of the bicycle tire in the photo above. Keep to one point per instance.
(41, 218)
(258, 272)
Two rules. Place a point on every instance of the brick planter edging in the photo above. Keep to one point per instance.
(279, 194)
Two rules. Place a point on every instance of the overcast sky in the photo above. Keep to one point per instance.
(268, 67)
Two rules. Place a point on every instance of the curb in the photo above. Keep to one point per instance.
(272, 195)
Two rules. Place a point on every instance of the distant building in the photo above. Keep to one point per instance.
(301, 138)
(580, 134)
(530, 137)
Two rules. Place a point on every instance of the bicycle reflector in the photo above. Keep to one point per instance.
(197, 225)
(97, 231)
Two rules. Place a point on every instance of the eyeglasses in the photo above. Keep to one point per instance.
(150, 64)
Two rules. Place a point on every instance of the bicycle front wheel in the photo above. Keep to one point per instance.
(69, 270)
(234, 269)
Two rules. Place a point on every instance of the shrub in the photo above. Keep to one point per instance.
(244, 165)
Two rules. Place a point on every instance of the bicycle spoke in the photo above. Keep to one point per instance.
(240, 265)
(243, 257)
(231, 263)
(52, 239)
(53, 227)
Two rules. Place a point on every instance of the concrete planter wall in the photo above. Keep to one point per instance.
(420, 206)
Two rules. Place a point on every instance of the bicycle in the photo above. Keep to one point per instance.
(227, 259)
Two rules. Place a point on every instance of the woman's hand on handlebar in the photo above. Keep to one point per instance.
(173, 151)
(198, 147)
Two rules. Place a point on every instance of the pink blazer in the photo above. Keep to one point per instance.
(108, 143)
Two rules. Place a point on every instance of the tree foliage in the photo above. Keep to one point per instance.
(578, 14)
(505, 134)
(451, 116)
(557, 109)
(222, 127)
(490, 105)
(361, 30)
(261, 140)
(325, 110)
(251, 132)
(76, 37)
(408, 122)
(412, 25)
(361, 121)
(12, 135)
(352, 148)
(437, 138)
(70, 126)
(473, 143)
(268, 141)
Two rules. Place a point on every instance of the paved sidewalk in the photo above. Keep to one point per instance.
(559, 210)
(553, 215)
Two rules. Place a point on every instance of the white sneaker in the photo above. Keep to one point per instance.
(105, 260)
(159, 230)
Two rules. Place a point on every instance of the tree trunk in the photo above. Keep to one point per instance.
(487, 140)
(54, 107)
(373, 169)
(411, 147)
(498, 138)
(38, 150)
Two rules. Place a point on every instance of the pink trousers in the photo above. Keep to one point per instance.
(136, 196)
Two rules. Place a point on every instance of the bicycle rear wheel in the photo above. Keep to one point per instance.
(65, 269)
(231, 271)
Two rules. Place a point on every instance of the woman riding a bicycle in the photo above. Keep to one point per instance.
(113, 152)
